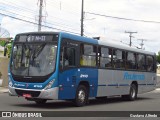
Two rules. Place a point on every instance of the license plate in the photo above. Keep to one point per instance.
(27, 95)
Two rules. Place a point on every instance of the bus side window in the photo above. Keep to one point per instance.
(88, 55)
(150, 63)
(105, 57)
(70, 57)
(130, 60)
(67, 57)
(141, 62)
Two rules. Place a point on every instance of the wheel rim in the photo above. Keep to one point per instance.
(81, 96)
(133, 93)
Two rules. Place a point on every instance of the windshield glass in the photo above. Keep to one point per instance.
(36, 59)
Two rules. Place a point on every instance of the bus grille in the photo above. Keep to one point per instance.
(32, 93)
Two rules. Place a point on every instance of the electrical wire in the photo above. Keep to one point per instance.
(148, 21)
(37, 24)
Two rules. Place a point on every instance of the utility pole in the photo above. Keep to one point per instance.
(82, 18)
(40, 15)
(141, 44)
(130, 35)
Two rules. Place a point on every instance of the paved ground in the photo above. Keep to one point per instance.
(148, 101)
(145, 102)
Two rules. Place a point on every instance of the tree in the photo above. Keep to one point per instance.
(7, 44)
(158, 57)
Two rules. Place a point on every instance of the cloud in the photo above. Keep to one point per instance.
(66, 15)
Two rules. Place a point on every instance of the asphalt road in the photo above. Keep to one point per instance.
(145, 102)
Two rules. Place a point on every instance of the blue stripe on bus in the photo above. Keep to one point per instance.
(102, 85)
(118, 85)
(113, 85)
(150, 84)
(124, 85)
(146, 84)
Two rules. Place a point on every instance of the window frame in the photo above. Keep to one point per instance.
(99, 61)
(96, 58)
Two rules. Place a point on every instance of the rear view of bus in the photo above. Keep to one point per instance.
(32, 67)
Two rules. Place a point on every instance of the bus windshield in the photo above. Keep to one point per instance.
(33, 59)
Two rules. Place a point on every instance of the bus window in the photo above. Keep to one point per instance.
(17, 56)
(119, 59)
(149, 63)
(130, 60)
(70, 56)
(67, 57)
(141, 62)
(88, 55)
(105, 57)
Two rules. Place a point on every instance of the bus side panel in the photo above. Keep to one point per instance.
(70, 79)
(89, 75)
(149, 84)
(109, 83)
(67, 84)
(117, 82)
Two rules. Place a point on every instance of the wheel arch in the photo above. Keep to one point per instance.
(85, 83)
(136, 84)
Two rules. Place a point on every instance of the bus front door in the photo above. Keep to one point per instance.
(68, 69)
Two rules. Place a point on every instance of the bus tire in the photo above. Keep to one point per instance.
(132, 93)
(40, 101)
(81, 96)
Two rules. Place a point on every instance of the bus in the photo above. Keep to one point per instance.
(62, 66)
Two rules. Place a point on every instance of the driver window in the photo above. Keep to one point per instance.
(67, 58)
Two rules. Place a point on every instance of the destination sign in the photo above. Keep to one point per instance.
(36, 38)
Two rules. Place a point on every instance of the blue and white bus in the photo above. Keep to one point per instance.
(61, 66)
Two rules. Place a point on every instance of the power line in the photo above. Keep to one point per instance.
(49, 22)
(148, 21)
(16, 7)
(37, 24)
(16, 13)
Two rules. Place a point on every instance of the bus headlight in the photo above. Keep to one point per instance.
(49, 85)
(10, 82)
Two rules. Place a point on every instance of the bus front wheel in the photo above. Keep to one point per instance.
(81, 96)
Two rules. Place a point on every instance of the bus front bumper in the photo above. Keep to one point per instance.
(42, 94)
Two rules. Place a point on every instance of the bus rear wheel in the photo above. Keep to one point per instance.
(81, 96)
(132, 93)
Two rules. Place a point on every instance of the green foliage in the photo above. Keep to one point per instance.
(2, 43)
(9, 48)
(158, 57)
(7, 45)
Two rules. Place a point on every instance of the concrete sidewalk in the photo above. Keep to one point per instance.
(3, 89)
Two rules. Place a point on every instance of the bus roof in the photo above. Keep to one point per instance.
(105, 43)
(93, 41)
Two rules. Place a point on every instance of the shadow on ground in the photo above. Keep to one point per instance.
(54, 105)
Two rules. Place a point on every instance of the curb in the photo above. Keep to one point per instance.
(4, 90)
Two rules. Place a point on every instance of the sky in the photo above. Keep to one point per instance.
(66, 14)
